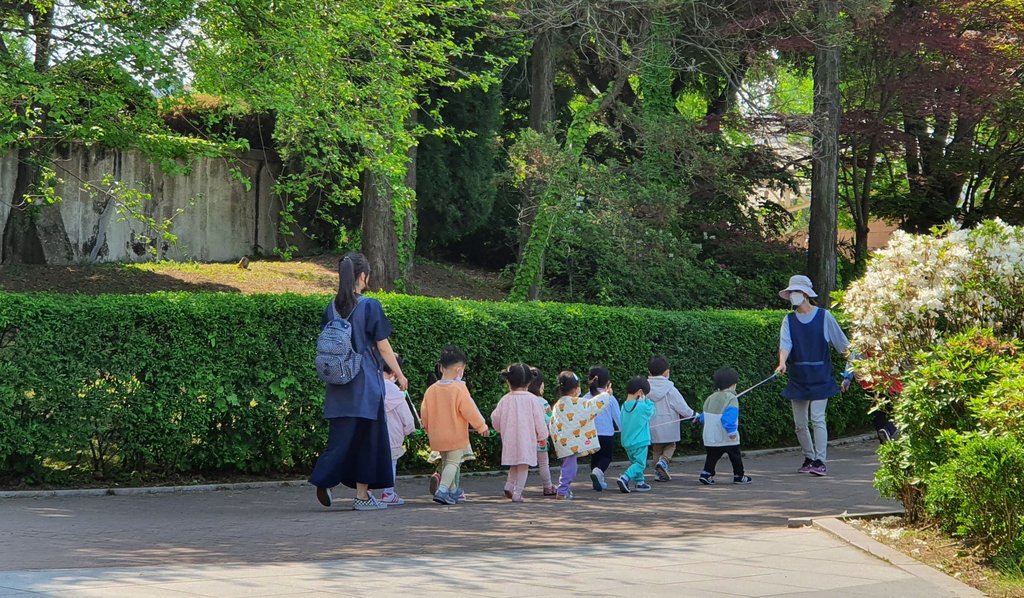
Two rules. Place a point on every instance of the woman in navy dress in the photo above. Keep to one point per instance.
(804, 352)
(358, 453)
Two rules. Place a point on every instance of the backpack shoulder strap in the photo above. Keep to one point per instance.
(361, 300)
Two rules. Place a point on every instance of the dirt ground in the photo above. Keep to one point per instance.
(308, 275)
(931, 546)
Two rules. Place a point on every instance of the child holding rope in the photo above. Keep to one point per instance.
(572, 429)
(669, 406)
(520, 421)
(400, 425)
(721, 419)
(637, 412)
(543, 456)
(447, 413)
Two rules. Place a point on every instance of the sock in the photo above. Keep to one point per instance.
(388, 491)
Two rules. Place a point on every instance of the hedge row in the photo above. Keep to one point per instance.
(135, 386)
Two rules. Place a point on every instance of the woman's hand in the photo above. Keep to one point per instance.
(403, 383)
(781, 370)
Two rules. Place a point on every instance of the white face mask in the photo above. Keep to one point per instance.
(797, 299)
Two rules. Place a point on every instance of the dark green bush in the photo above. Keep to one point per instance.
(960, 459)
(119, 386)
(979, 494)
(950, 391)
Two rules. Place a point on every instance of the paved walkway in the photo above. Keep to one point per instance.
(680, 539)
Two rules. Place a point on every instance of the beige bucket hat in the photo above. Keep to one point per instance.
(798, 283)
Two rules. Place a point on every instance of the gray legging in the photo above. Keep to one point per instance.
(819, 448)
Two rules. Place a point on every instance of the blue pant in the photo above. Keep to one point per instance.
(637, 462)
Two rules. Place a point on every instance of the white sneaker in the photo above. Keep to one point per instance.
(392, 500)
(597, 478)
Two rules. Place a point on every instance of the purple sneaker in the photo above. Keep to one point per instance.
(806, 467)
(818, 469)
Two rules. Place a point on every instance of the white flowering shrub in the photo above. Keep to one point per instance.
(923, 288)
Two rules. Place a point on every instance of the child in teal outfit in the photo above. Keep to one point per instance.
(637, 412)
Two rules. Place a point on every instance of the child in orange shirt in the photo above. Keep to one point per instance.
(447, 413)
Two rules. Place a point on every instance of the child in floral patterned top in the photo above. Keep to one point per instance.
(572, 428)
(543, 458)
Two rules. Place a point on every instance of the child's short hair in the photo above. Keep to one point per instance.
(451, 355)
(597, 378)
(658, 365)
(537, 382)
(568, 381)
(638, 383)
(518, 375)
(398, 358)
(725, 378)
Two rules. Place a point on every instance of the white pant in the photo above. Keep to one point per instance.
(817, 450)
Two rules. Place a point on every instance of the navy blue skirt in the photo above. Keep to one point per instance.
(358, 450)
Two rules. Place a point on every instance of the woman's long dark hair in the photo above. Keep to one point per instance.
(349, 269)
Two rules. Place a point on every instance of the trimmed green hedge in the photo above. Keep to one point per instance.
(132, 386)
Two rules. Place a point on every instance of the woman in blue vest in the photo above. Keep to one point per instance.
(358, 453)
(804, 352)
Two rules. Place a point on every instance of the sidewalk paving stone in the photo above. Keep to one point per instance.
(682, 539)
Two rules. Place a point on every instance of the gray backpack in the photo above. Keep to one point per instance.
(337, 360)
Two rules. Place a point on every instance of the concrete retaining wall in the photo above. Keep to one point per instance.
(221, 220)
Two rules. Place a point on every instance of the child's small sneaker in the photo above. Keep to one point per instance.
(806, 467)
(324, 496)
(508, 492)
(569, 496)
(435, 482)
(392, 500)
(517, 498)
(459, 496)
(370, 504)
(818, 468)
(550, 491)
(597, 478)
(741, 479)
(623, 483)
(661, 471)
(642, 487)
(444, 498)
(707, 479)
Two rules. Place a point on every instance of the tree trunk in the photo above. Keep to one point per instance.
(542, 113)
(380, 239)
(409, 221)
(34, 233)
(542, 81)
(860, 249)
(862, 213)
(821, 255)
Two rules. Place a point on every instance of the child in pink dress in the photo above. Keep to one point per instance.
(543, 458)
(520, 421)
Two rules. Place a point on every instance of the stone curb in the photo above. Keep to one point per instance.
(858, 539)
(796, 522)
(78, 492)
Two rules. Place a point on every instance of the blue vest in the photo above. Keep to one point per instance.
(810, 362)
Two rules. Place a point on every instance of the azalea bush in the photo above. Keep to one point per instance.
(923, 288)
